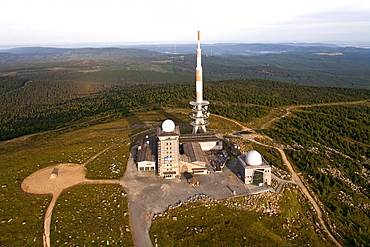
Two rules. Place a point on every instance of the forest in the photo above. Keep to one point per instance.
(306, 65)
(329, 144)
(36, 104)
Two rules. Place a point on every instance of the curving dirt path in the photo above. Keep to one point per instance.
(53, 180)
(69, 175)
(47, 220)
(288, 109)
(295, 177)
(66, 176)
(305, 191)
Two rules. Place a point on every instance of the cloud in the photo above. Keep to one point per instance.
(166, 20)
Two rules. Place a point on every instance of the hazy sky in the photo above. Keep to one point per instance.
(27, 22)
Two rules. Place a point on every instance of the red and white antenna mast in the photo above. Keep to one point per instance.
(199, 105)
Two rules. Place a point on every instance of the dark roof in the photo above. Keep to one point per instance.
(147, 150)
(193, 180)
(194, 152)
(199, 137)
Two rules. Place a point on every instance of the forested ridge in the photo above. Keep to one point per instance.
(11, 83)
(111, 65)
(329, 144)
(47, 104)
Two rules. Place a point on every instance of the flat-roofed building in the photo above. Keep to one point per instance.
(193, 160)
(207, 141)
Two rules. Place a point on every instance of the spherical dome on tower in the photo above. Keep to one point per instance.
(253, 158)
(168, 126)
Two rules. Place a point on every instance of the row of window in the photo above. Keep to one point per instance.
(146, 168)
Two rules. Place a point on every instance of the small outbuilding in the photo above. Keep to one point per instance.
(194, 182)
(54, 173)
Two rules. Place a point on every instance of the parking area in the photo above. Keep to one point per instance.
(150, 195)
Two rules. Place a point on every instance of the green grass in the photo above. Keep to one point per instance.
(330, 147)
(91, 215)
(19, 159)
(21, 216)
(111, 164)
(22, 158)
(235, 223)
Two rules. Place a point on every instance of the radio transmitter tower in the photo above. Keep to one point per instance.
(200, 106)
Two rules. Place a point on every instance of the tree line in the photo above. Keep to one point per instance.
(47, 104)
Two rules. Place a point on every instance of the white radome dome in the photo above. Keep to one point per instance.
(253, 158)
(168, 126)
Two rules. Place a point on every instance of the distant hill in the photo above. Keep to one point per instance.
(308, 64)
(252, 49)
(38, 54)
(36, 50)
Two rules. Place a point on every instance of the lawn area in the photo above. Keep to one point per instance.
(20, 158)
(91, 215)
(22, 214)
(258, 220)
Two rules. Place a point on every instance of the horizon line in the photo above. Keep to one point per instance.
(76, 45)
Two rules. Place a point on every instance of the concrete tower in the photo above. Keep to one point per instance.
(168, 150)
(200, 107)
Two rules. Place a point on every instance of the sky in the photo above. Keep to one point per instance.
(48, 22)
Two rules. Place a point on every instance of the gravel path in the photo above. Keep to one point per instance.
(295, 177)
(150, 195)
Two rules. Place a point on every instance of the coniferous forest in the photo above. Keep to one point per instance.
(325, 131)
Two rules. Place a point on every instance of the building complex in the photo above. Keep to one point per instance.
(171, 153)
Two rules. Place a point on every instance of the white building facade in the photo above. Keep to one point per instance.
(168, 150)
(254, 169)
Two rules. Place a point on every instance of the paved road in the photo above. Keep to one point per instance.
(281, 183)
(151, 195)
(298, 181)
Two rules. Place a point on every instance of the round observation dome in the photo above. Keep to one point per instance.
(253, 158)
(168, 126)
